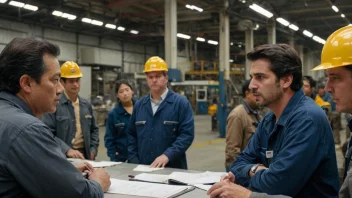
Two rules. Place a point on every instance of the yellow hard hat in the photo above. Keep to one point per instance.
(70, 69)
(155, 63)
(337, 51)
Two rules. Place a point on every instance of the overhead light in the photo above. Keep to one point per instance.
(231, 60)
(30, 7)
(213, 42)
(193, 7)
(293, 27)
(335, 8)
(318, 39)
(231, 43)
(200, 39)
(64, 15)
(239, 46)
(184, 36)
(283, 21)
(342, 15)
(57, 13)
(134, 32)
(261, 10)
(256, 27)
(96, 22)
(3, 1)
(86, 20)
(71, 17)
(16, 3)
(350, 24)
(111, 26)
(307, 33)
(120, 28)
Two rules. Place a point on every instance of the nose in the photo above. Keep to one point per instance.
(328, 87)
(60, 88)
(252, 85)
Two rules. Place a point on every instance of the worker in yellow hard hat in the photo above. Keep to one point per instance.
(73, 123)
(336, 58)
(161, 127)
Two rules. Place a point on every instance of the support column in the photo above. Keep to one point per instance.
(248, 47)
(292, 42)
(271, 27)
(170, 33)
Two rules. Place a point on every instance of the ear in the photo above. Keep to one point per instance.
(286, 81)
(26, 83)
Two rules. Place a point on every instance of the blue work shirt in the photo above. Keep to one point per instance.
(115, 138)
(169, 131)
(327, 98)
(303, 162)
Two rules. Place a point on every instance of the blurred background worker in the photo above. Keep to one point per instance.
(161, 128)
(73, 123)
(118, 119)
(241, 125)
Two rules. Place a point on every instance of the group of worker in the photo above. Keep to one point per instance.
(288, 152)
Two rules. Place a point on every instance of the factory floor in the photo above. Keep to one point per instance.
(207, 151)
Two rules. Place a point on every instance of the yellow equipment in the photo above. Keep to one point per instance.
(70, 69)
(155, 63)
(337, 49)
(212, 109)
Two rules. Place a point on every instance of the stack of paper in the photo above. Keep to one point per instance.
(95, 164)
(146, 189)
(146, 168)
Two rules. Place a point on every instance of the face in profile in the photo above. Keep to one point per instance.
(306, 88)
(124, 94)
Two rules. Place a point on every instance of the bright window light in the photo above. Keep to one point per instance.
(184, 36)
(342, 15)
(86, 20)
(16, 3)
(261, 10)
(96, 22)
(56, 13)
(3, 1)
(283, 21)
(335, 8)
(200, 39)
(30, 7)
(293, 27)
(307, 33)
(120, 28)
(111, 26)
(213, 42)
(134, 32)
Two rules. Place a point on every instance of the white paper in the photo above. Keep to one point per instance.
(197, 178)
(203, 187)
(95, 164)
(145, 189)
(152, 177)
(146, 168)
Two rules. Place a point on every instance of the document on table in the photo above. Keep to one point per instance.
(196, 178)
(203, 187)
(95, 164)
(146, 189)
(156, 178)
(146, 168)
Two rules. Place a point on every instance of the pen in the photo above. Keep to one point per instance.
(131, 176)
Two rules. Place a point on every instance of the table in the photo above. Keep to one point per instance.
(123, 170)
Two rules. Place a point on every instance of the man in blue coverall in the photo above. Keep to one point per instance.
(292, 152)
(161, 127)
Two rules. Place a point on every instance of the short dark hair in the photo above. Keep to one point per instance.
(119, 83)
(245, 87)
(311, 81)
(284, 60)
(24, 56)
(321, 86)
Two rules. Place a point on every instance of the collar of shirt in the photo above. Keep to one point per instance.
(162, 97)
(73, 102)
(17, 101)
(248, 108)
(121, 109)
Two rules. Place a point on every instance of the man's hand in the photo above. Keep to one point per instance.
(85, 167)
(92, 156)
(227, 189)
(99, 175)
(260, 167)
(230, 176)
(160, 162)
(74, 154)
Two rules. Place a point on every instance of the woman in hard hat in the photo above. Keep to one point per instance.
(115, 137)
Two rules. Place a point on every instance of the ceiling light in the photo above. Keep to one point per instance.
(283, 21)
(231, 43)
(342, 15)
(231, 60)
(318, 39)
(3, 1)
(96, 22)
(307, 33)
(30, 7)
(111, 26)
(349, 24)
(86, 20)
(193, 7)
(56, 13)
(256, 27)
(213, 42)
(120, 28)
(293, 27)
(335, 8)
(134, 32)
(71, 17)
(184, 36)
(200, 39)
(16, 3)
(261, 10)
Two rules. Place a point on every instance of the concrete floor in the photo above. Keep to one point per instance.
(207, 151)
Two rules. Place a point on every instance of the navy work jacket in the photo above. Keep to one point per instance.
(169, 131)
(298, 150)
(116, 137)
